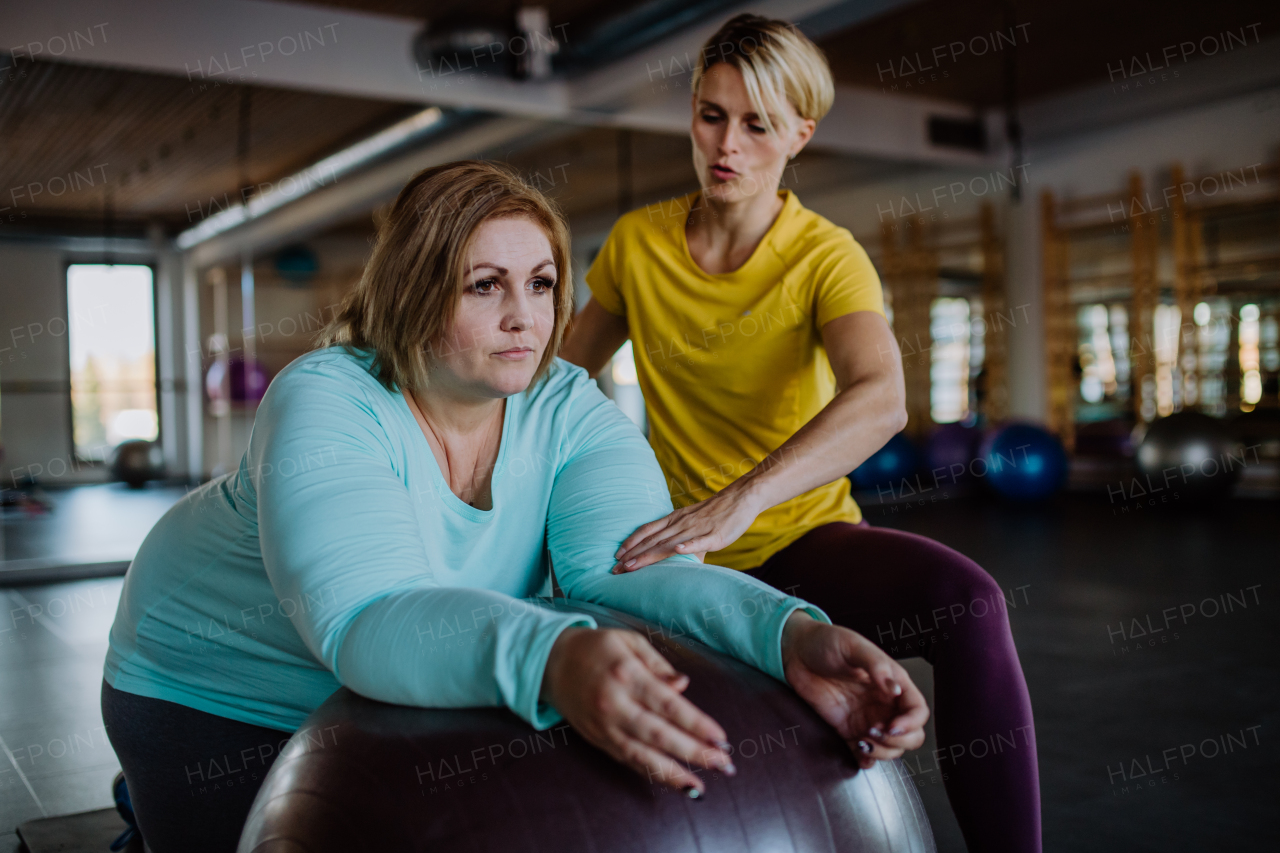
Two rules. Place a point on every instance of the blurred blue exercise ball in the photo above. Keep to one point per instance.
(890, 464)
(1024, 461)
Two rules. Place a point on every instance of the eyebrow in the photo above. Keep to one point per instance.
(504, 271)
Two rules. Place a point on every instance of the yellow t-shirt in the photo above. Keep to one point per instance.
(732, 365)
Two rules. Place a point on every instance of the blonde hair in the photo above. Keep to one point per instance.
(778, 63)
(406, 300)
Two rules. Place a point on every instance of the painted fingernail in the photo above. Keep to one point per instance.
(723, 745)
(896, 730)
(692, 792)
(897, 688)
(864, 746)
(874, 731)
(730, 770)
(629, 563)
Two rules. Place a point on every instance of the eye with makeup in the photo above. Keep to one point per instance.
(485, 286)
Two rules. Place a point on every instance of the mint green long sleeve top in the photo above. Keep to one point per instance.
(337, 555)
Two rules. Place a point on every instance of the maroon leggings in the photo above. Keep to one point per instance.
(917, 598)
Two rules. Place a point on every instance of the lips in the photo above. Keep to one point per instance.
(723, 172)
(514, 352)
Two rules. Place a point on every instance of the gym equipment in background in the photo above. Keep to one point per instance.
(952, 444)
(297, 264)
(364, 775)
(897, 460)
(242, 389)
(1112, 439)
(136, 461)
(1193, 455)
(1024, 461)
(1259, 432)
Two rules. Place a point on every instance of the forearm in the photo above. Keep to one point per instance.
(453, 648)
(729, 611)
(855, 424)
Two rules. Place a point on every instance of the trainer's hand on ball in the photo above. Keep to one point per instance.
(616, 691)
(857, 688)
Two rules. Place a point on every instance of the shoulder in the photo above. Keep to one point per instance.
(814, 240)
(323, 377)
(564, 385)
(653, 221)
(569, 404)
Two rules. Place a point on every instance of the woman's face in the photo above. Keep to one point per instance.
(506, 313)
(735, 157)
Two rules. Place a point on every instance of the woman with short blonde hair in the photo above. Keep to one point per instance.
(406, 488)
(769, 372)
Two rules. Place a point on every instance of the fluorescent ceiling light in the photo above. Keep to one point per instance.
(319, 174)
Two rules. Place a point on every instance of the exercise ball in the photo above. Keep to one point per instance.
(952, 444)
(889, 465)
(1024, 461)
(245, 386)
(137, 461)
(1192, 455)
(363, 775)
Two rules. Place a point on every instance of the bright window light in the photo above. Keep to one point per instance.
(1250, 376)
(113, 355)
(949, 369)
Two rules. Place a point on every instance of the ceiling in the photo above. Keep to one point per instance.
(1060, 45)
(168, 148)
(170, 151)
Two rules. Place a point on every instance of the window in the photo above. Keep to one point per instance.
(956, 327)
(112, 336)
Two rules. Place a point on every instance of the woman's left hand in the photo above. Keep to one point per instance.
(696, 529)
(862, 692)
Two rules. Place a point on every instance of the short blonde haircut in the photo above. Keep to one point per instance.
(405, 303)
(778, 64)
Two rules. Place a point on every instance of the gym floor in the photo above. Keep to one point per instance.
(1160, 740)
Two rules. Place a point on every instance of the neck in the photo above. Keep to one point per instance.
(737, 222)
(455, 414)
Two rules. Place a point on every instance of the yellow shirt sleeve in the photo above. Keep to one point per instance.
(605, 276)
(846, 281)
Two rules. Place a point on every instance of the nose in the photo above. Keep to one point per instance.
(517, 315)
(729, 141)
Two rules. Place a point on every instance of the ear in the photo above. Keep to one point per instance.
(803, 133)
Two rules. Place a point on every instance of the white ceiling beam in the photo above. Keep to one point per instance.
(356, 195)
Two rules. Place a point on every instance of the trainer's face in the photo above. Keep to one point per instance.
(735, 156)
(505, 315)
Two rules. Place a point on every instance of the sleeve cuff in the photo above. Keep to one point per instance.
(791, 605)
(541, 715)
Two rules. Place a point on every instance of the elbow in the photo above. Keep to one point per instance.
(897, 419)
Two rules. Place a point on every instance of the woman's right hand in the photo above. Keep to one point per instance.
(616, 691)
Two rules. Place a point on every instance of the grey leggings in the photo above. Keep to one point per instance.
(192, 776)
